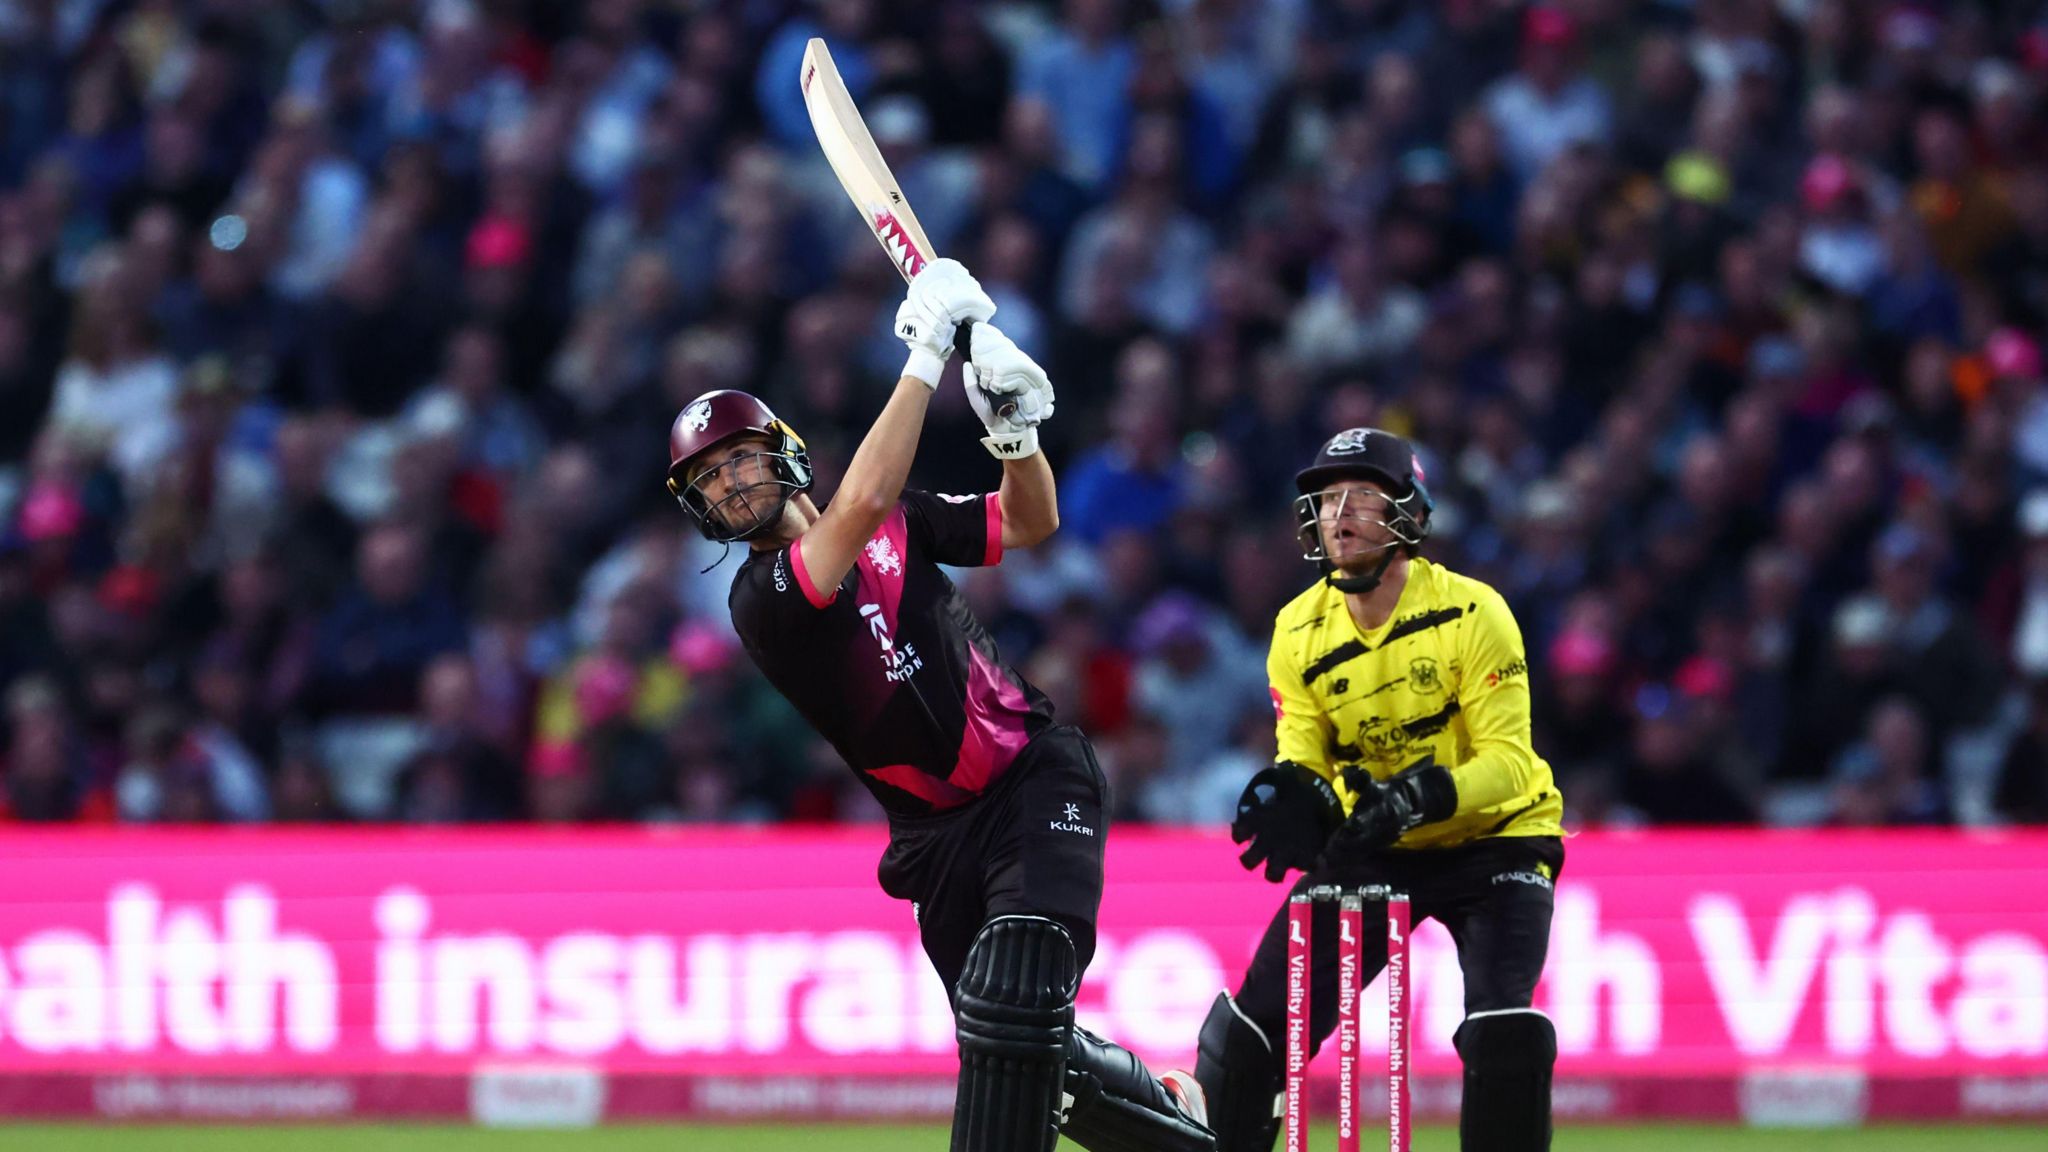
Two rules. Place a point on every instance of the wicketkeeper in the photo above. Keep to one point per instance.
(997, 813)
(1401, 698)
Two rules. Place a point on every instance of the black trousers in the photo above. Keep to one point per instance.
(1491, 894)
(1031, 846)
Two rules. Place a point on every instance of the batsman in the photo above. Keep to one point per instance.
(1401, 698)
(997, 813)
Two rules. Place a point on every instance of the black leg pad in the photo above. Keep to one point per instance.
(1013, 1010)
(1508, 1056)
(1240, 1073)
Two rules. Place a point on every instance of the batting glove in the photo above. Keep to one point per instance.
(1009, 392)
(942, 296)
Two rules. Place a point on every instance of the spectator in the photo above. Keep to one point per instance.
(459, 776)
(1966, 212)
(1946, 668)
(117, 388)
(615, 75)
(230, 738)
(1356, 320)
(845, 28)
(1839, 246)
(628, 765)
(1189, 680)
(1143, 243)
(1548, 104)
(373, 341)
(1136, 763)
(370, 650)
(316, 197)
(1082, 73)
(495, 433)
(1666, 777)
(1582, 730)
(1665, 86)
(1857, 672)
(964, 80)
(43, 776)
(2019, 396)
(2029, 653)
(1135, 481)
(174, 173)
(1086, 677)
(316, 539)
(1883, 779)
(2022, 796)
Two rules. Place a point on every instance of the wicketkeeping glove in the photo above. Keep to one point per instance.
(1288, 813)
(942, 296)
(1422, 793)
(1008, 391)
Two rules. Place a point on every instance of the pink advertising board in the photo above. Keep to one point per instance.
(734, 972)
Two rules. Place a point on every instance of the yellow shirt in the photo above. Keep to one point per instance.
(1446, 674)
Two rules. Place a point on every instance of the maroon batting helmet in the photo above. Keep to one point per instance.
(711, 420)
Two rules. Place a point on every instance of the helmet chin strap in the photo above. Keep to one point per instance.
(1358, 585)
(721, 558)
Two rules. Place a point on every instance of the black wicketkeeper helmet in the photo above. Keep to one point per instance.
(1370, 454)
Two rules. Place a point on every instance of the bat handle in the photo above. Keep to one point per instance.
(963, 346)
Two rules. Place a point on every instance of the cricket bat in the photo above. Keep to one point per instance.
(844, 137)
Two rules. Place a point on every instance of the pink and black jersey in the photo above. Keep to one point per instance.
(890, 666)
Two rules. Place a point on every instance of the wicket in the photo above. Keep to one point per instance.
(1350, 964)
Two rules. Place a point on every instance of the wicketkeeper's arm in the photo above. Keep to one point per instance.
(1495, 699)
(1301, 732)
(1287, 812)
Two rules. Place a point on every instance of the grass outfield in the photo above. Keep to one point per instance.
(883, 1138)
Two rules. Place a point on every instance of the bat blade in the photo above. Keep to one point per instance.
(862, 172)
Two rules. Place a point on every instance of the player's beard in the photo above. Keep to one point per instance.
(752, 508)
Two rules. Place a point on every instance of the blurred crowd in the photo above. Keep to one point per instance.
(338, 341)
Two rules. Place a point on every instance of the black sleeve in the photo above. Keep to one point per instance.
(766, 600)
(963, 531)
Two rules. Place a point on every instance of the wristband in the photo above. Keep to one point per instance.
(924, 368)
(1012, 445)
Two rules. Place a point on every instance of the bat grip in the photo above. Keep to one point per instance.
(963, 345)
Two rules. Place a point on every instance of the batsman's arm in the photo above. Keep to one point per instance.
(869, 491)
(1030, 502)
(1495, 698)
